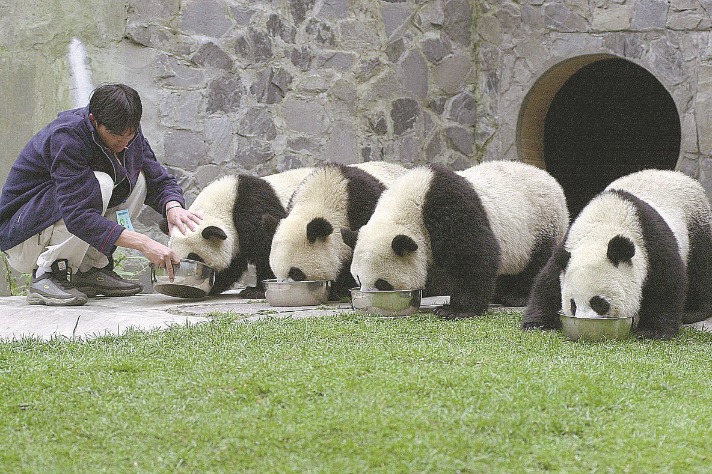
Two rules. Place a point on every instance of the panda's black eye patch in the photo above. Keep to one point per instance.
(195, 256)
(573, 307)
(383, 285)
(318, 228)
(599, 305)
(212, 232)
(402, 245)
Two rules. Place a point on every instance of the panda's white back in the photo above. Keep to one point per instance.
(523, 203)
(383, 171)
(678, 198)
(284, 183)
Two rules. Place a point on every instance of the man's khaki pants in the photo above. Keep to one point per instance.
(56, 243)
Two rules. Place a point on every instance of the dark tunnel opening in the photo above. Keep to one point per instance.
(609, 119)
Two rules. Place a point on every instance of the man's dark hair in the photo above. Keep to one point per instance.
(117, 107)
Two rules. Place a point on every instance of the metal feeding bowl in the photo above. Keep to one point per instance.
(297, 293)
(596, 329)
(193, 279)
(386, 303)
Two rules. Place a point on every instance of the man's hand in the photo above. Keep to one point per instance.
(156, 253)
(182, 219)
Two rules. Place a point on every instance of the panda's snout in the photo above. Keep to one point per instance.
(296, 274)
(599, 305)
(383, 285)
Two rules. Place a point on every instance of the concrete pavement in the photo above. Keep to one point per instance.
(113, 316)
(103, 316)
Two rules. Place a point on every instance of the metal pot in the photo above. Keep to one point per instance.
(596, 329)
(386, 303)
(193, 279)
(297, 293)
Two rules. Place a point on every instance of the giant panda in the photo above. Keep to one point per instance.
(641, 249)
(309, 243)
(482, 233)
(234, 231)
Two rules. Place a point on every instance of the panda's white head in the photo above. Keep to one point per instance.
(307, 244)
(307, 249)
(601, 282)
(393, 249)
(214, 245)
(388, 256)
(604, 262)
(215, 241)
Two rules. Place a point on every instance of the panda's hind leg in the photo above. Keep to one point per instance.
(698, 302)
(513, 290)
(262, 272)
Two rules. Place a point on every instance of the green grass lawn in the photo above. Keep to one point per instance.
(357, 394)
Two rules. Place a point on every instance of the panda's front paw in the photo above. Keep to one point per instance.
(448, 312)
(252, 293)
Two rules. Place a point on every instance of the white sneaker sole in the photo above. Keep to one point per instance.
(34, 298)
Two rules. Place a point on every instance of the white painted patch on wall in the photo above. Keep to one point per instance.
(80, 73)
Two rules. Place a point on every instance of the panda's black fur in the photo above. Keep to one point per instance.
(255, 201)
(674, 292)
(363, 192)
(469, 257)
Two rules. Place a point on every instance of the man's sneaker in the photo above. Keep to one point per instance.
(102, 281)
(54, 289)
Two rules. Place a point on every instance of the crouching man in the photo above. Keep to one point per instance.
(71, 194)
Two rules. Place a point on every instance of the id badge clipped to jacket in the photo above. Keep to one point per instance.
(124, 219)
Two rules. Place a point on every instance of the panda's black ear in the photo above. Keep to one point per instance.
(561, 256)
(402, 244)
(349, 236)
(270, 223)
(318, 228)
(213, 232)
(620, 249)
(163, 225)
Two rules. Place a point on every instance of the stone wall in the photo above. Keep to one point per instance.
(263, 86)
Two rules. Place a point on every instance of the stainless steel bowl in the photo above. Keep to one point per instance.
(296, 293)
(386, 303)
(596, 329)
(193, 279)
